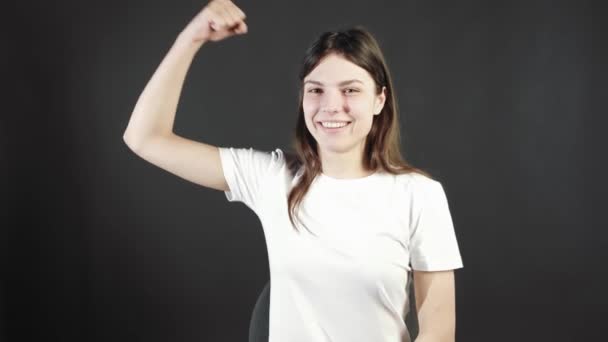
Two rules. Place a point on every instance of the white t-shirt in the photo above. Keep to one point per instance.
(348, 282)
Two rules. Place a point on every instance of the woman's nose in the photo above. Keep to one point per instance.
(332, 101)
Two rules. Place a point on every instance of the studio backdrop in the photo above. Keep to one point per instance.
(501, 101)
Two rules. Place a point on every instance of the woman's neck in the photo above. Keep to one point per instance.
(343, 165)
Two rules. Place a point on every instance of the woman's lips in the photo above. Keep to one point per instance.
(333, 129)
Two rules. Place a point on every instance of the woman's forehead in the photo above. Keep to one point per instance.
(334, 70)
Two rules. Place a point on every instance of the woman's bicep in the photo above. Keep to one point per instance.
(191, 160)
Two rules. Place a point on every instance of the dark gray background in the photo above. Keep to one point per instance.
(503, 102)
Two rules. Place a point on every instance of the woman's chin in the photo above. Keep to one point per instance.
(335, 147)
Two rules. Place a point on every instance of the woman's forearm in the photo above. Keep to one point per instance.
(154, 112)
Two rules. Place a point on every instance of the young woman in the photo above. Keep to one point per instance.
(346, 220)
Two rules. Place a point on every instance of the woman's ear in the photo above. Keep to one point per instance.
(379, 101)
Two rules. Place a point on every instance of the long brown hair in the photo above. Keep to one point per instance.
(382, 145)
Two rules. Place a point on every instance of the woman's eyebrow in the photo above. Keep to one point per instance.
(340, 84)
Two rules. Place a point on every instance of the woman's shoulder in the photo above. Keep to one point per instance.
(415, 177)
(415, 183)
(277, 159)
(256, 157)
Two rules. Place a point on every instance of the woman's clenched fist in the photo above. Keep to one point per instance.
(218, 20)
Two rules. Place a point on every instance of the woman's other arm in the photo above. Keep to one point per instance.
(435, 306)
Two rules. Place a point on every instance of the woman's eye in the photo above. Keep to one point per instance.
(319, 90)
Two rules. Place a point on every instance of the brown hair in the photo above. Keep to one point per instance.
(382, 146)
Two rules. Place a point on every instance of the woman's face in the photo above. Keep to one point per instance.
(339, 92)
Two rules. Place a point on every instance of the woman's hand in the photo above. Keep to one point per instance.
(218, 20)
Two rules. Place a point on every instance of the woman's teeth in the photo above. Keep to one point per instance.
(334, 124)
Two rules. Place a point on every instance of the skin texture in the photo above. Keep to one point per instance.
(327, 98)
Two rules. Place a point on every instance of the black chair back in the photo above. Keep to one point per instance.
(258, 326)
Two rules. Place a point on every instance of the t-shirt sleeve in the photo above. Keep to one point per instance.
(246, 170)
(433, 244)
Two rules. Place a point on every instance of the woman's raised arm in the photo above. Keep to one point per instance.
(150, 130)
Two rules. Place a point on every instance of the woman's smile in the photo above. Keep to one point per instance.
(332, 127)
